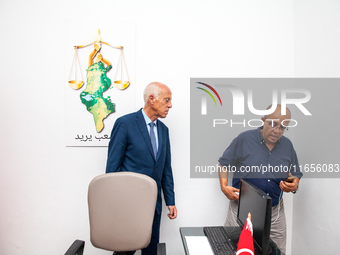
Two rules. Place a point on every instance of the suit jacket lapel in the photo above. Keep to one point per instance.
(144, 130)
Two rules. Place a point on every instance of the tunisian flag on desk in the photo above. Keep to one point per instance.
(245, 243)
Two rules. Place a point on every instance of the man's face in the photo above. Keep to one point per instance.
(163, 104)
(272, 128)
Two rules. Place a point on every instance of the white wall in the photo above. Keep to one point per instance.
(43, 184)
(316, 228)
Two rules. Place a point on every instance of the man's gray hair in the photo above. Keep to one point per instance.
(152, 89)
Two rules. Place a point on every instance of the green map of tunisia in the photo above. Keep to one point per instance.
(92, 97)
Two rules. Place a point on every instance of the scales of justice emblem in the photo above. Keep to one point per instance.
(97, 81)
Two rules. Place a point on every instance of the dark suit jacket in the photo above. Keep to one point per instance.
(130, 149)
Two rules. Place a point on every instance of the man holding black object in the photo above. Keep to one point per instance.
(140, 143)
(268, 160)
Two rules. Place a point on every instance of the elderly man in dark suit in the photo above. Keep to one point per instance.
(140, 143)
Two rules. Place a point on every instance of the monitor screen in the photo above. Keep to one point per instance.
(259, 204)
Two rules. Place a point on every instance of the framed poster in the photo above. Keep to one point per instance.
(99, 78)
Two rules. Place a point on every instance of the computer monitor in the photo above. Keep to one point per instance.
(259, 204)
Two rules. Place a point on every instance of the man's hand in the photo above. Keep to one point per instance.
(289, 187)
(229, 191)
(172, 212)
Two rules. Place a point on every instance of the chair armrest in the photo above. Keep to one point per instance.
(161, 249)
(77, 248)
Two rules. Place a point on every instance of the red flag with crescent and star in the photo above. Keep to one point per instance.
(245, 243)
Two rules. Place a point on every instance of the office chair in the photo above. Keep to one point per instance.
(121, 210)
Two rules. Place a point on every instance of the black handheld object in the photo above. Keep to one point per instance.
(290, 179)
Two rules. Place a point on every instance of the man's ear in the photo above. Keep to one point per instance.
(151, 99)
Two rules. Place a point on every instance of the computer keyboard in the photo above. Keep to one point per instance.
(219, 241)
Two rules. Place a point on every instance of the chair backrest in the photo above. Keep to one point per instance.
(121, 210)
